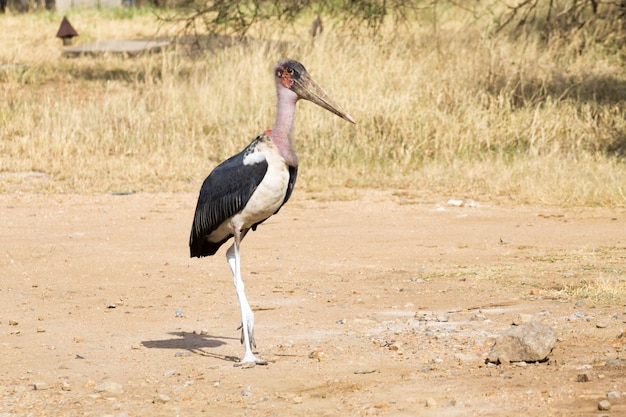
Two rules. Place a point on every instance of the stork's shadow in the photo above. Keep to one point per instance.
(192, 342)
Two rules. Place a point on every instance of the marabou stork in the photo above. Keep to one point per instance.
(249, 187)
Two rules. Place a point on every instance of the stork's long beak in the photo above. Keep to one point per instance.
(308, 89)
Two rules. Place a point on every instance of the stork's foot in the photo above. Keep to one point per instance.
(250, 361)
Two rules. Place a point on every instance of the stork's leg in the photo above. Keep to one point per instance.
(247, 317)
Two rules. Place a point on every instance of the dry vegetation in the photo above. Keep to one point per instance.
(442, 107)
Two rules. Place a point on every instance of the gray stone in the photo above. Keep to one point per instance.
(528, 342)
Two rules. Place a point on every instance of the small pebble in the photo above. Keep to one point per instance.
(169, 373)
(430, 402)
(601, 325)
(614, 394)
(246, 392)
(161, 398)
(40, 386)
(320, 355)
(297, 400)
(604, 405)
(584, 377)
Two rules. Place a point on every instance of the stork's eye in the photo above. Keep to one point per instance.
(290, 71)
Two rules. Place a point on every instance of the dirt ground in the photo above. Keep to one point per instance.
(366, 303)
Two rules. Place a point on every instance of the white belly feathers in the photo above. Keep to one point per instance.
(270, 194)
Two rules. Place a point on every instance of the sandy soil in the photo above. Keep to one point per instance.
(384, 304)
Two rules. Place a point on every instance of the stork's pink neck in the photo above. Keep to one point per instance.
(282, 133)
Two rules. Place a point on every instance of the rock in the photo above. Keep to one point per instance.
(397, 347)
(109, 386)
(246, 392)
(40, 386)
(320, 355)
(430, 402)
(529, 342)
(613, 394)
(503, 360)
(584, 377)
(161, 398)
(604, 405)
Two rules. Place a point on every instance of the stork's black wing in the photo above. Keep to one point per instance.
(293, 173)
(224, 193)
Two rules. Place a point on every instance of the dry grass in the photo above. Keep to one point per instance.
(603, 290)
(453, 111)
